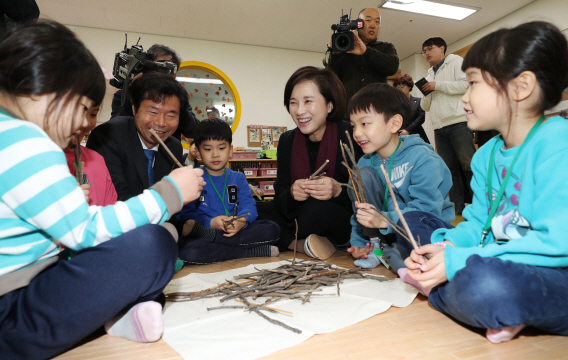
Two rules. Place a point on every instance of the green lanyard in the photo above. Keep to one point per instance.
(222, 198)
(495, 202)
(390, 170)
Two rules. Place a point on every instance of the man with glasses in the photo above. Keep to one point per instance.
(454, 141)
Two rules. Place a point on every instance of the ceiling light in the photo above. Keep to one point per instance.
(430, 8)
(201, 81)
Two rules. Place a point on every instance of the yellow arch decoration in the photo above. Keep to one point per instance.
(222, 76)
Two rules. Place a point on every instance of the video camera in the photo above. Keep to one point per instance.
(130, 62)
(343, 39)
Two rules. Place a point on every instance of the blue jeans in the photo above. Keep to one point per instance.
(491, 293)
(454, 144)
(422, 225)
(73, 298)
(202, 251)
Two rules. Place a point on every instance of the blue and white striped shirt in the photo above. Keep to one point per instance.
(41, 205)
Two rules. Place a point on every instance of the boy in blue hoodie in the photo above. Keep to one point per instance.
(421, 180)
(213, 229)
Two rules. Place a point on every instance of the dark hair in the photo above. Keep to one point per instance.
(404, 80)
(156, 86)
(328, 85)
(212, 129)
(536, 46)
(166, 51)
(436, 40)
(214, 110)
(383, 99)
(45, 57)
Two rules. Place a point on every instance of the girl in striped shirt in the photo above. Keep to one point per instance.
(48, 80)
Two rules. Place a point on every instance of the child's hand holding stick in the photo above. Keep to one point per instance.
(399, 213)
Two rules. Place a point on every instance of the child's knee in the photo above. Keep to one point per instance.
(486, 280)
(150, 243)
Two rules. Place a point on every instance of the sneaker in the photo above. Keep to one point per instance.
(318, 247)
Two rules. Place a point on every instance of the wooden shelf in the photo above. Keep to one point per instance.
(251, 160)
(260, 177)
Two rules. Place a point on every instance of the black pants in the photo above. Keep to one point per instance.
(203, 251)
(324, 218)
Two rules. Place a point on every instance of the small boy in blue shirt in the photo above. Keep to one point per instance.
(213, 229)
(420, 178)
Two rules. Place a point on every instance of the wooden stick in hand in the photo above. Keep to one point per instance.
(166, 148)
(397, 209)
(254, 192)
(318, 170)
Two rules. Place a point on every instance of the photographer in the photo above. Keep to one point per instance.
(187, 119)
(371, 61)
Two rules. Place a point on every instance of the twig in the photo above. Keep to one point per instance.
(397, 209)
(231, 222)
(354, 189)
(267, 307)
(318, 170)
(166, 148)
(254, 192)
(295, 243)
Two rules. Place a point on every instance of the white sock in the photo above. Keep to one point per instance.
(371, 262)
(507, 333)
(142, 323)
(274, 251)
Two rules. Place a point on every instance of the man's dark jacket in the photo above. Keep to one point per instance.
(118, 143)
(356, 71)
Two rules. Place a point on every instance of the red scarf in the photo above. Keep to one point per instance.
(300, 166)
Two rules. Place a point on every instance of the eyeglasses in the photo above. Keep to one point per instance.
(428, 48)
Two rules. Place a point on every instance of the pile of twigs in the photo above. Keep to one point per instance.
(295, 281)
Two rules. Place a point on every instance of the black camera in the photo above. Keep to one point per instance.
(343, 39)
(130, 62)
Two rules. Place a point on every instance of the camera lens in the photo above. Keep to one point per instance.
(343, 42)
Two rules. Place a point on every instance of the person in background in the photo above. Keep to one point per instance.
(371, 61)
(418, 116)
(187, 119)
(95, 173)
(454, 141)
(191, 156)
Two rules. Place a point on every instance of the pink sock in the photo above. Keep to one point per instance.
(142, 323)
(507, 333)
(403, 273)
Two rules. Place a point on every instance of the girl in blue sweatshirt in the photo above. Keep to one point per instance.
(48, 80)
(506, 266)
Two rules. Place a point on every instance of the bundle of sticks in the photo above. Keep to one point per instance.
(294, 281)
(359, 189)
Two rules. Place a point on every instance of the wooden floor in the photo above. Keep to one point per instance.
(414, 332)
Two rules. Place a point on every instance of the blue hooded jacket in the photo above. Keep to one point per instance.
(421, 182)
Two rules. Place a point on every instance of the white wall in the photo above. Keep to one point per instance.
(554, 11)
(259, 73)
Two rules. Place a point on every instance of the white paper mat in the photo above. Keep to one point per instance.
(196, 333)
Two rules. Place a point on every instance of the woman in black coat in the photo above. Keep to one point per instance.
(315, 98)
(414, 125)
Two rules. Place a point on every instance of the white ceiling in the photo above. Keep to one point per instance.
(288, 24)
